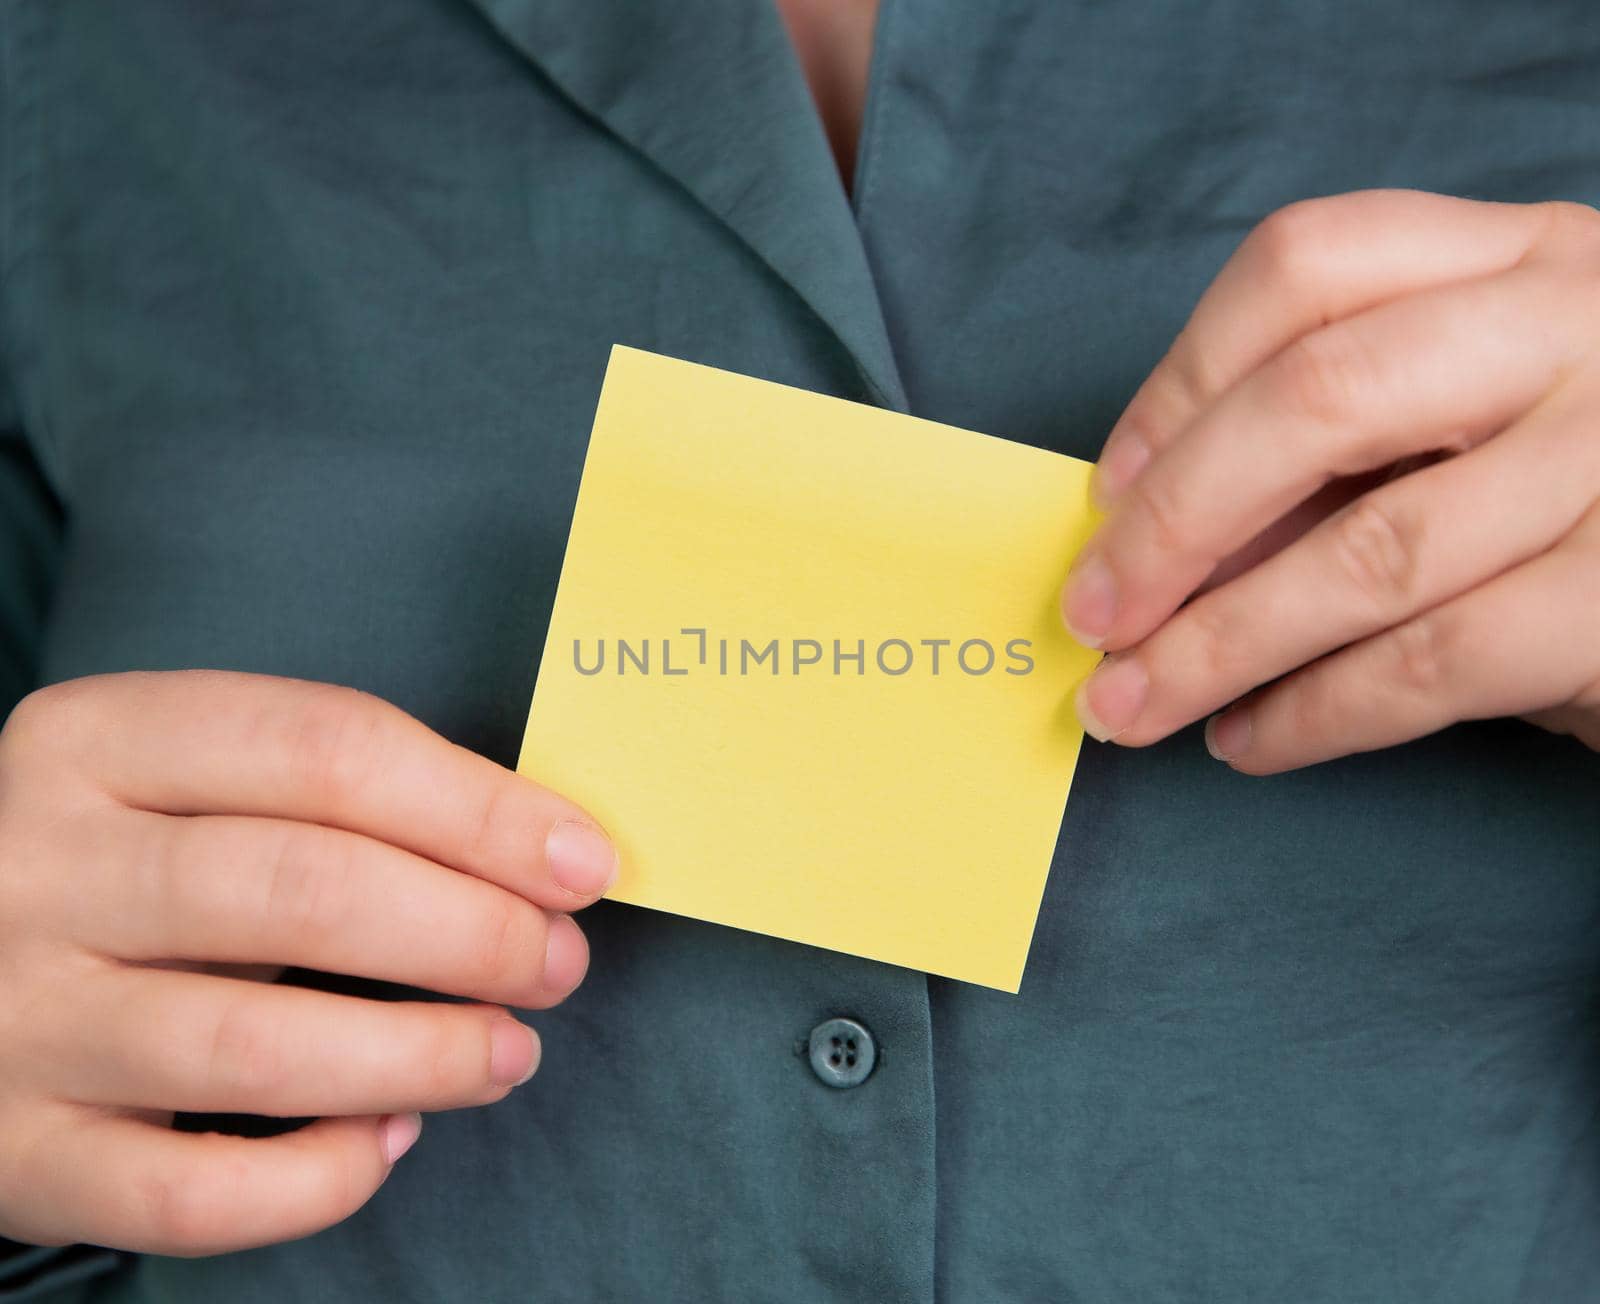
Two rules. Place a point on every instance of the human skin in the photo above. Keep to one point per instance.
(833, 42)
(1429, 369)
(168, 842)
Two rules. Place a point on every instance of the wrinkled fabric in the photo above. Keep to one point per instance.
(305, 309)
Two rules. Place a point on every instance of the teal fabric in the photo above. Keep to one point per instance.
(305, 309)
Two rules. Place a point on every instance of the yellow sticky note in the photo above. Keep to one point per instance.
(805, 665)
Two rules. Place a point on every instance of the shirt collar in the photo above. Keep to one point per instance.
(714, 97)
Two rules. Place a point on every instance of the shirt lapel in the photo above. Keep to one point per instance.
(713, 95)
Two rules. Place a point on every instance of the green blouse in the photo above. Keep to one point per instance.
(304, 313)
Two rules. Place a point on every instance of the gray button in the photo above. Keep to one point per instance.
(842, 1052)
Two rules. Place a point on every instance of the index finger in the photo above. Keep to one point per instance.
(1308, 264)
(1436, 371)
(219, 743)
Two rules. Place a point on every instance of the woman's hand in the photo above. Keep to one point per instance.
(1431, 366)
(160, 832)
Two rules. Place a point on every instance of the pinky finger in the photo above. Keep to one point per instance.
(1522, 644)
(135, 1185)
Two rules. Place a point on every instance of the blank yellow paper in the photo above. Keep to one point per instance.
(870, 806)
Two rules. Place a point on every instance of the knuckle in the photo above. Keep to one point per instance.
(454, 1053)
(1420, 650)
(506, 954)
(1377, 551)
(27, 725)
(1153, 419)
(1570, 223)
(245, 1058)
(179, 1212)
(1322, 375)
(337, 744)
(1160, 500)
(307, 892)
(159, 863)
(490, 831)
(1182, 384)
(1190, 382)
(1293, 241)
(1215, 647)
(1309, 704)
(52, 718)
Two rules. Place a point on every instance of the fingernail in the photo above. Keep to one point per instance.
(397, 1134)
(1110, 699)
(1125, 456)
(1228, 734)
(1089, 601)
(566, 957)
(581, 858)
(513, 1053)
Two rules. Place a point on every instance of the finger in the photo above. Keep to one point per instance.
(133, 1185)
(1580, 719)
(1448, 366)
(146, 1038)
(1306, 265)
(1403, 548)
(209, 743)
(1524, 642)
(247, 890)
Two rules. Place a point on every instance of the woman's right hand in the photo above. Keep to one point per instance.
(163, 837)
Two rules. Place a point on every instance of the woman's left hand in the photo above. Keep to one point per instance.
(1362, 490)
